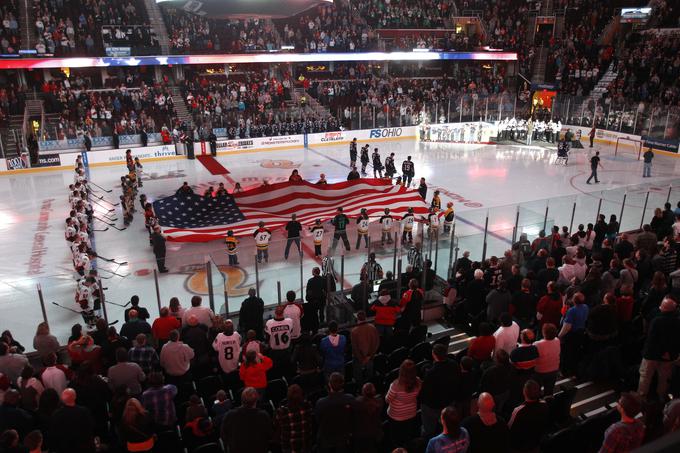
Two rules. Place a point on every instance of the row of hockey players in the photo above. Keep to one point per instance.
(293, 230)
(78, 238)
(460, 133)
(529, 130)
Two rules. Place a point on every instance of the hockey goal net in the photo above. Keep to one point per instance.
(628, 147)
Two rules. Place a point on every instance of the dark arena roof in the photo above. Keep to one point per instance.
(243, 9)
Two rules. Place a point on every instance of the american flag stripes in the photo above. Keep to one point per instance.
(198, 219)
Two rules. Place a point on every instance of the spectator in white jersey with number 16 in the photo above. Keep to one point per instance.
(279, 332)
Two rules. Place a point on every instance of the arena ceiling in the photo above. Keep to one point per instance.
(244, 9)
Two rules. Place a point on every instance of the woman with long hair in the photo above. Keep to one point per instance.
(294, 422)
(44, 342)
(30, 388)
(136, 428)
(368, 431)
(15, 346)
(402, 400)
(253, 371)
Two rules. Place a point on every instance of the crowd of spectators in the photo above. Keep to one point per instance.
(576, 59)
(192, 33)
(407, 13)
(254, 105)
(666, 14)
(9, 27)
(125, 110)
(592, 304)
(648, 69)
(335, 27)
(402, 98)
(70, 27)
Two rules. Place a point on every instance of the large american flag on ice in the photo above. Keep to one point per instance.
(198, 219)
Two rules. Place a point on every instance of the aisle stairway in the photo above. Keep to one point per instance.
(29, 37)
(181, 108)
(158, 25)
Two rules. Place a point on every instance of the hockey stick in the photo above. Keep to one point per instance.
(103, 206)
(111, 272)
(97, 185)
(118, 305)
(110, 260)
(110, 224)
(108, 202)
(105, 229)
(80, 313)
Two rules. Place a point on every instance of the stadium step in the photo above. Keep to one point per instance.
(158, 25)
(591, 398)
(29, 38)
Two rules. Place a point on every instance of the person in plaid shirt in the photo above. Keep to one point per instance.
(294, 422)
(143, 355)
(628, 434)
(158, 401)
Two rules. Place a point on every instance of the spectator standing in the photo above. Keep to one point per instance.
(136, 427)
(365, 341)
(439, 389)
(11, 364)
(660, 350)
(251, 315)
(530, 420)
(627, 434)
(293, 311)
(253, 371)
(143, 354)
(294, 421)
(454, 438)
(316, 301)
(204, 315)
(507, 334)
(488, 431)
(72, 426)
(332, 348)
(334, 417)
(176, 359)
(548, 361)
(247, 428)
(126, 374)
(163, 325)
(44, 342)
(142, 313)
(55, 376)
(135, 326)
(368, 431)
(158, 401)
(402, 400)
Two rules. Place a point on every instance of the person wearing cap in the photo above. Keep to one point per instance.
(661, 349)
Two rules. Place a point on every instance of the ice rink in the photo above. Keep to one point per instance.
(507, 184)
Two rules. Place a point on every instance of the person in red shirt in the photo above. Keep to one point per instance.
(624, 304)
(386, 313)
(253, 371)
(481, 348)
(163, 325)
(549, 308)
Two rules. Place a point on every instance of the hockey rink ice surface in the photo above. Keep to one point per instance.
(494, 180)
